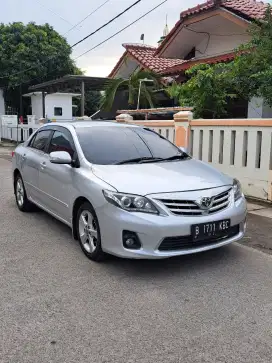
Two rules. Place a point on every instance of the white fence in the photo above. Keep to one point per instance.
(11, 130)
(244, 152)
(18, 134)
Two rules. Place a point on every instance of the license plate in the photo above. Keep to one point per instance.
(205, 231)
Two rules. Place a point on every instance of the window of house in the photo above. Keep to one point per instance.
(191, 54)
(61, 142)
(39, 141)
(57, 111)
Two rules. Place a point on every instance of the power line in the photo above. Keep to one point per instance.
(80, 41)
(53, 12)
(106, 24)
(86, 17)
(120, 31)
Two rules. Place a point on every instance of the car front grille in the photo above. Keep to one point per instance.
(186, 242)
(191, 208)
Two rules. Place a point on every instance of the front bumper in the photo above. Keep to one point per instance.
(152, 229)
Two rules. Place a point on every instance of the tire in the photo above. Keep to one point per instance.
(88, 232)
(22, 201)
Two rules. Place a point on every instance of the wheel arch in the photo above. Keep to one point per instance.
(78, 202)
(16, 172)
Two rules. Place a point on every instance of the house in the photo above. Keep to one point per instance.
(207, 33)
(58, 106)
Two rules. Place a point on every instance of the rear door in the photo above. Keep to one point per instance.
(31, 159)
(56, 182)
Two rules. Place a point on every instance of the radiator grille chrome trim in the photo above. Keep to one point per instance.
(187, 207)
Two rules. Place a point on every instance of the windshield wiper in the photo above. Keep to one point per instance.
(177, 157)
(140, 160)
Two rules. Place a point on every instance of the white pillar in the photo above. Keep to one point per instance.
(2, 103)
(257, 108)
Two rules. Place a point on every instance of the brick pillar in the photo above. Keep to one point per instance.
(124, 118)
(182, 128)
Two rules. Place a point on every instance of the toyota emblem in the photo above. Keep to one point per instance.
(205, 202)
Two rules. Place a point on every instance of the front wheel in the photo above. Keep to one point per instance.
(88, 232)
(20, 194)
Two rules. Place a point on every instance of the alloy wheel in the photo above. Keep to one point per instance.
(20, 193)
(88, 231)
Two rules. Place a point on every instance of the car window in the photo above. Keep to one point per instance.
(61, 142)
(111, 145)
(157, 144)
(30, 143)
(40, 140)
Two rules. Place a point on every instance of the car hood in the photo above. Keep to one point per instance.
(163, 177)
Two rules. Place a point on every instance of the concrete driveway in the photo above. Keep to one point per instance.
(57, 306)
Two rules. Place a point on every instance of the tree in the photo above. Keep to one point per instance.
(208, 90)
(30, 54)
(211, 88)
(131, 87)
(252, 70)
(92, 102)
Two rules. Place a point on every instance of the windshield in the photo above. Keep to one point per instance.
(106, 145)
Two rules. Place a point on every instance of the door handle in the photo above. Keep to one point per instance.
(24, 156)
(43, 165)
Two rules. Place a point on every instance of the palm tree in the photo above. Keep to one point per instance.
(131, 85)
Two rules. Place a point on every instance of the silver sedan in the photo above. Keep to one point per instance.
(127, 191)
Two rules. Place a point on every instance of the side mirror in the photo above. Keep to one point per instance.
(60, 157)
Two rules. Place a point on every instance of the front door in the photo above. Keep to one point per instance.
(31, 159)
(56, 181)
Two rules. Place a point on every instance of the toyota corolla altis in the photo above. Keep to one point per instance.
(127, 191)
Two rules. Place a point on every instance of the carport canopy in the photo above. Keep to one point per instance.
(72, 83)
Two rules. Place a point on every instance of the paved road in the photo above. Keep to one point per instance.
(57, 306)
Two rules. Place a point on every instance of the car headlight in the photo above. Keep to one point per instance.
(130, 203)
(237, 189)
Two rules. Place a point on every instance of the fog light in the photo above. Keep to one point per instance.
(131, 240)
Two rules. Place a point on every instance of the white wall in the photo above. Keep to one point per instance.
(211, 36)
(51, 101)
(218, 44)
(128, 66)
(2, 103)
(36, 105)
(55, 100)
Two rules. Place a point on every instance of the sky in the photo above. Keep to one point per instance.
(63, 14)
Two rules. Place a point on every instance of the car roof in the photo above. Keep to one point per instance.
(86, 124)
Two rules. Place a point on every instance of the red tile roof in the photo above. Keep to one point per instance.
(248, 9)
(192, 62)
(144, 55)
(197, 9)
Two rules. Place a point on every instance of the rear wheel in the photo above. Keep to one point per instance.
(20, 194)
(88, 232)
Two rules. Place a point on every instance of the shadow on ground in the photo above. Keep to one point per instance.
(163, 267)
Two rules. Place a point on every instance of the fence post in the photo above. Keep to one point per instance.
(182, 128)
(124, 118)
